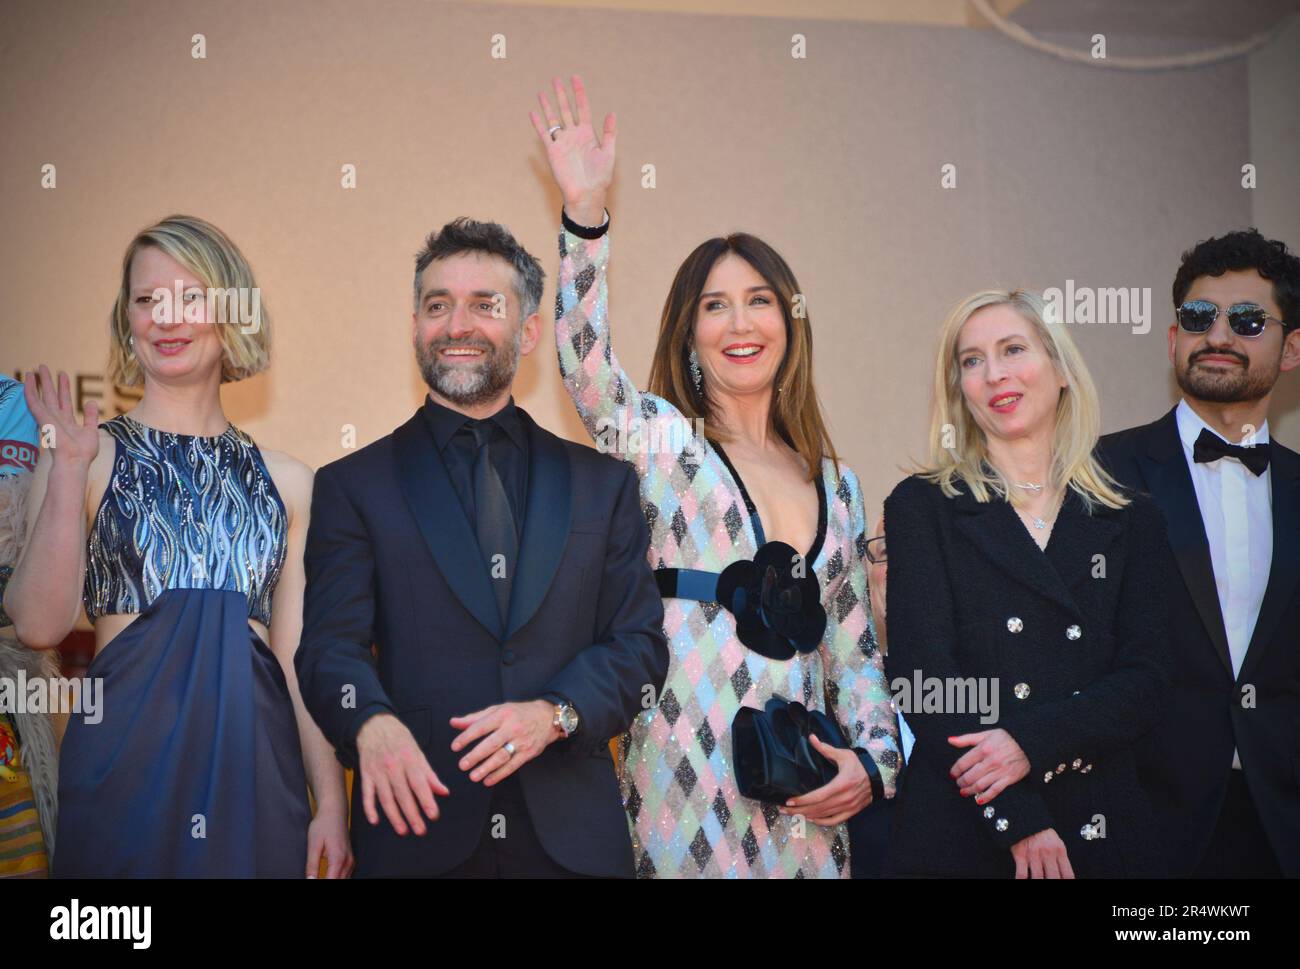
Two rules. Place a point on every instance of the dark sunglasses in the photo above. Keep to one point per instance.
(1245, 319)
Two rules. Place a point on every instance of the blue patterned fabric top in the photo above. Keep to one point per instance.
(184, 512)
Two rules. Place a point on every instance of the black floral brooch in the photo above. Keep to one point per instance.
(776, 600)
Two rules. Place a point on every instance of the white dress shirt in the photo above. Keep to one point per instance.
(1237, 509)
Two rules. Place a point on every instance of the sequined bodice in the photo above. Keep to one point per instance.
(184, 512)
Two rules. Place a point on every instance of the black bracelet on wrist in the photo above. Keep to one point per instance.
(873, 775)
(584, 231)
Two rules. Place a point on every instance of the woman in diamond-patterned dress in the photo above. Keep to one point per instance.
(734, 352)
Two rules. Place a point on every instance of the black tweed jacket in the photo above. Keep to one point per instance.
(1075, 637)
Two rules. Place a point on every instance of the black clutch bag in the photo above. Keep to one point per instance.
(773, 757)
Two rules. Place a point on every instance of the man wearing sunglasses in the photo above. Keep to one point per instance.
(1223, 766)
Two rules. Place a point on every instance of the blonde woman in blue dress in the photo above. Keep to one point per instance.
(184, 542)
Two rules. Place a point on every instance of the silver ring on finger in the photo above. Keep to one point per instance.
(553, 129)
(509, 748)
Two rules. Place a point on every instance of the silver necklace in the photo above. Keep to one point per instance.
(1039, 523)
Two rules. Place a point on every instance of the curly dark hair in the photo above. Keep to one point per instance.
(466, 235)
(1245, 249)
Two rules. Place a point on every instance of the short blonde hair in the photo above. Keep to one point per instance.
(1078, 413)
(207, 252)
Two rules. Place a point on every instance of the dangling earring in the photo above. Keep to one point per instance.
(697, 375)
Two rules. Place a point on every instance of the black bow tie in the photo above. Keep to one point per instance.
(1210, 447)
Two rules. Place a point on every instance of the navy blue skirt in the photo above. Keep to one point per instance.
(195, 769)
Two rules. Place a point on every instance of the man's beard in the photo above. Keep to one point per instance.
(470, 386)
(1230, 385)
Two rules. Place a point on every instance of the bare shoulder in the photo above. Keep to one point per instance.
(101, 470)
(107, 450)
(286, 470)
(291, 477)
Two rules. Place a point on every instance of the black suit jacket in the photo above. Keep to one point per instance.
(1186, 760)
(392, 561)
(970, 594)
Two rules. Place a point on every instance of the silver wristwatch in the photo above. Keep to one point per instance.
(566, 719)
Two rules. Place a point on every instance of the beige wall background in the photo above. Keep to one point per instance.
(1063, 172)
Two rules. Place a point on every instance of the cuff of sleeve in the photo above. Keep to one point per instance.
(1047, 760)
(1014, 815)
(560, 698)
(584, 231)
(347, 751)
(873, 774)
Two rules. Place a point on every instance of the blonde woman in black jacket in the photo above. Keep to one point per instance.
(1021, 575)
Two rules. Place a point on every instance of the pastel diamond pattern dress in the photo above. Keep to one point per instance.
(688, 820)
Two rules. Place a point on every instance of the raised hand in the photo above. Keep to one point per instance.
(581, 163)
(72, 443)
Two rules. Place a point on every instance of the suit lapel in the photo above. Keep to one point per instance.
(1078, 537)
(432, 500)
(995, 529)
(1284, 573)
(546, 524)
(1164, 469)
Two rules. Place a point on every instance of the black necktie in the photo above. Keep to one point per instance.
(1210, 447)
(494, 523)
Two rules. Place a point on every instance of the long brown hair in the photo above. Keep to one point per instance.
(796, 414)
